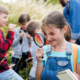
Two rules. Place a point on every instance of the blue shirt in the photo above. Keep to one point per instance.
(73, 18)
(60, 54)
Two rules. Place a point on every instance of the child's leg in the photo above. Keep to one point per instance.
(9, 74)
(24, 57)
(17, 64)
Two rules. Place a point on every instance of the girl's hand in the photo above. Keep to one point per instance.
(78, 77)
(39, 54)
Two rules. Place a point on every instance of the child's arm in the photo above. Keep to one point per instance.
(5, 44)
(27, 36)
(17, 38)
(78, 68)
(78, 72)
(39, 68)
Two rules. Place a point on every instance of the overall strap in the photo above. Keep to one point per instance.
(72, 48)
(68, 52)
(48, 52)
(69, 49)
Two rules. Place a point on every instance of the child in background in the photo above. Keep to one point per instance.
(5, 72)
(21, 42)
(56, 30)
(33, 27)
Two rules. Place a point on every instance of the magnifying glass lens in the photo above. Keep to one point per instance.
(39, 39)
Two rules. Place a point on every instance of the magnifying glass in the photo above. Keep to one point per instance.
(39, 39)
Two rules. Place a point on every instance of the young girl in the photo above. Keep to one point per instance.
(56, 57)
(21, 42)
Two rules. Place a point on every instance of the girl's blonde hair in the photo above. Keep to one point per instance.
(56, 18)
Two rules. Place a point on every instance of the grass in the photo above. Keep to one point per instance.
(24, 73)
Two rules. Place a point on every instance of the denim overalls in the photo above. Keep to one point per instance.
(56, 64)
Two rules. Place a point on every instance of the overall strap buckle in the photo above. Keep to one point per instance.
(69, 50)
(48, 52)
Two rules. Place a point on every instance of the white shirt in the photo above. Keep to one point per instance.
(33, 48)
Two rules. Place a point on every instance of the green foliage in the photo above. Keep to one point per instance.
(25, 72)
(12, 79)
(54, 1)
(9, 58)
(37, 10)
(51, 1)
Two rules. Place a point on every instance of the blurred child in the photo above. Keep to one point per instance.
(33, 27)
(21, 42)
(56, 57)
(5, 72)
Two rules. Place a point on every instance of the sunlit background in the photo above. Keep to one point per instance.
(8, 1)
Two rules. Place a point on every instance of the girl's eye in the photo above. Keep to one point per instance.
(5, 17)
(44, 33)
(51, 33)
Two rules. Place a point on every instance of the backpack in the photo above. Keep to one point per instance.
(74, 49)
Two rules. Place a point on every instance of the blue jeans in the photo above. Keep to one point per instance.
(53, 65)
(32, 78)
(9, 75)
(15, 61)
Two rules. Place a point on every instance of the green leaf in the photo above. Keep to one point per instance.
(12, 79)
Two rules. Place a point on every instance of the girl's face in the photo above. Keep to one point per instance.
(23, 25)
(53, 34)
